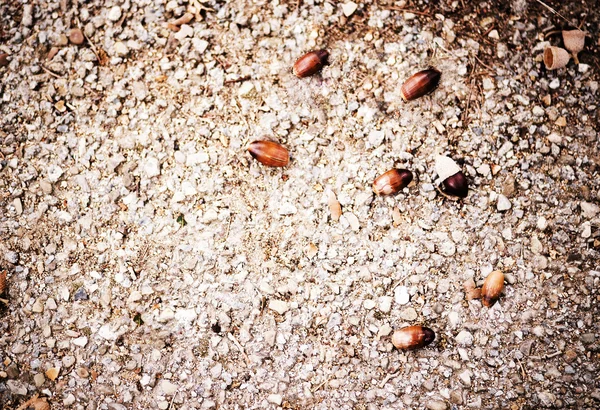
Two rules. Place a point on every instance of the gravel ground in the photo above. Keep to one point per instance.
(152, 263)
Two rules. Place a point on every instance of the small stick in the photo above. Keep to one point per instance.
(231, 337)
(552, 10)
(319, 386)
(173, 399)
(5, 301)
(419, 13)
(482, 63)
(237, 80)
(551, 355)
(52, 73)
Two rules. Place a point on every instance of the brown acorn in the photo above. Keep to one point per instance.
(412, 337)
(310, 63)
(492, 288)
(3, 282)
(457, 185)
(420, 84)
(454, 181)
(4, 60)
(269, 153)
(392, 181)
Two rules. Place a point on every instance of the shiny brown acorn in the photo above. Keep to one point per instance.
(457, 185)
(392, 181)
(3, 282)
(269, 153)
(310, 63)
(454, 181)
(412, 337)
(420, 84)
(492, 288)
(4, 60)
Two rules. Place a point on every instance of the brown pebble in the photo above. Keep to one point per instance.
(76, 36)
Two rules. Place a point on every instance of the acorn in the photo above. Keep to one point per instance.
(556, 57)
(492, 288)
(4, 60)
(420, 84)
(310, 63)
(454, 181)
(392, 181)
(3, 282)
(574, 42)
(412, 337)
(269, 153)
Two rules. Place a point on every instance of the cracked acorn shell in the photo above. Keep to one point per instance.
(412, 337)
(492, 288)
(310, 63)
(269, 153)
(392, 181)
(556, 57)
(420, 84)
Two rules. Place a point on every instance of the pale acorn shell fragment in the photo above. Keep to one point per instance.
(445, 167)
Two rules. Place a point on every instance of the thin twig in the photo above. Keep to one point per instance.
(231, 337)
(172, 400)
(551, 355)
(483, 64)
(419, 13)
(237, 80)
(466, 113)
(319, 386)
(52, 73)
(5, 301)
(553, 11)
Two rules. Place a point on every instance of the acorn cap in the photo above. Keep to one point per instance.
(574, 40)
(445, 167)
(556, 57)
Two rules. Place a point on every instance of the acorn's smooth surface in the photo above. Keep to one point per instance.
(456, 185)
(392, 181)
(420, 84)
(3, 282)
(412, 337)
(310, 63)
(3, 59)
(269, 153)
(492, 288)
